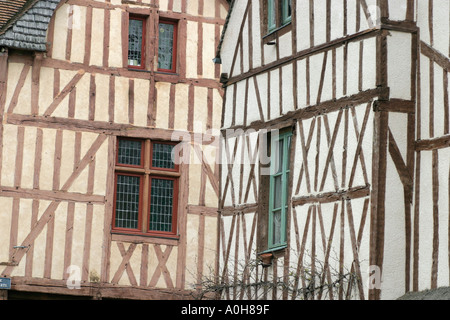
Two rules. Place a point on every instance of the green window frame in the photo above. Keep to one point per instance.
(286, 12)
(279, 190)
(279, 14)
(271, 15)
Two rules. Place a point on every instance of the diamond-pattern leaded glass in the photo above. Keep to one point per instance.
(127, 202)
(135, 32)
(161, 206)
(166, 39)
(130, 152)
(162, 156)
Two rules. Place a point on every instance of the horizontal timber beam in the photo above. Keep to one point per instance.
(49, 195)
(433, 144)
(97, 290)
(329, 197)
(303, 54)
(108, 128)
(144, 9)
(325, 107)
(243, 209)
(403, 26)
(112, 71)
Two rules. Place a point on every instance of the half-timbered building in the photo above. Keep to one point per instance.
(98, 100)
(335, 156)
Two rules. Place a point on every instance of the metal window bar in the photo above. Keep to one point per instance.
(161, 205)
(127, 202)
(162, 156)
(165, 48)
(130, 152)
(135, 34)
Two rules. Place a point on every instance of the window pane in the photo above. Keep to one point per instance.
(277, 192)
(277, 227)
(288, 156)
(161, 205)
(130, 152)
(162, 156)
(271, 15)
(135, 42)
(127, 202)
(279, 156)
(165, 53)
(287, 11)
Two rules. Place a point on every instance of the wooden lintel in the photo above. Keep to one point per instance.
(50, 195)
(97, 289)
(433, 144)
(243, 209)
(329, 197)
(395, 105)
(107, 128)
(202, 211)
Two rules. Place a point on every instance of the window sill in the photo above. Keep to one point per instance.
(138, 70)
(159, 72)
(267, 256)
(274, 250)
(278, 32)
(147, 239)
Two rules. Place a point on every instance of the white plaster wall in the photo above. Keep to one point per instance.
(5, 228)
(426, 228)
(303, 25)
(231, 36)
(399, 65)
(256, 34)
(441, 26)
(287, 89)
(285, 45)
(397, 9)
(9, 157)
(393, 285)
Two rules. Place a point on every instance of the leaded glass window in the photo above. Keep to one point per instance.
(127, 201)
(162, 156)
(136, 42)
(146, 188)
(161, 207)
(130, 152)
(167, 46)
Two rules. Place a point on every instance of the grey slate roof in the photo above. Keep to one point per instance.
(218, 59)
(436, 294)
(29, 31)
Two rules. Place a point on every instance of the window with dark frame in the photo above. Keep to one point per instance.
(167, 46)
(278, 14)
(146, 188)
(136, 42)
